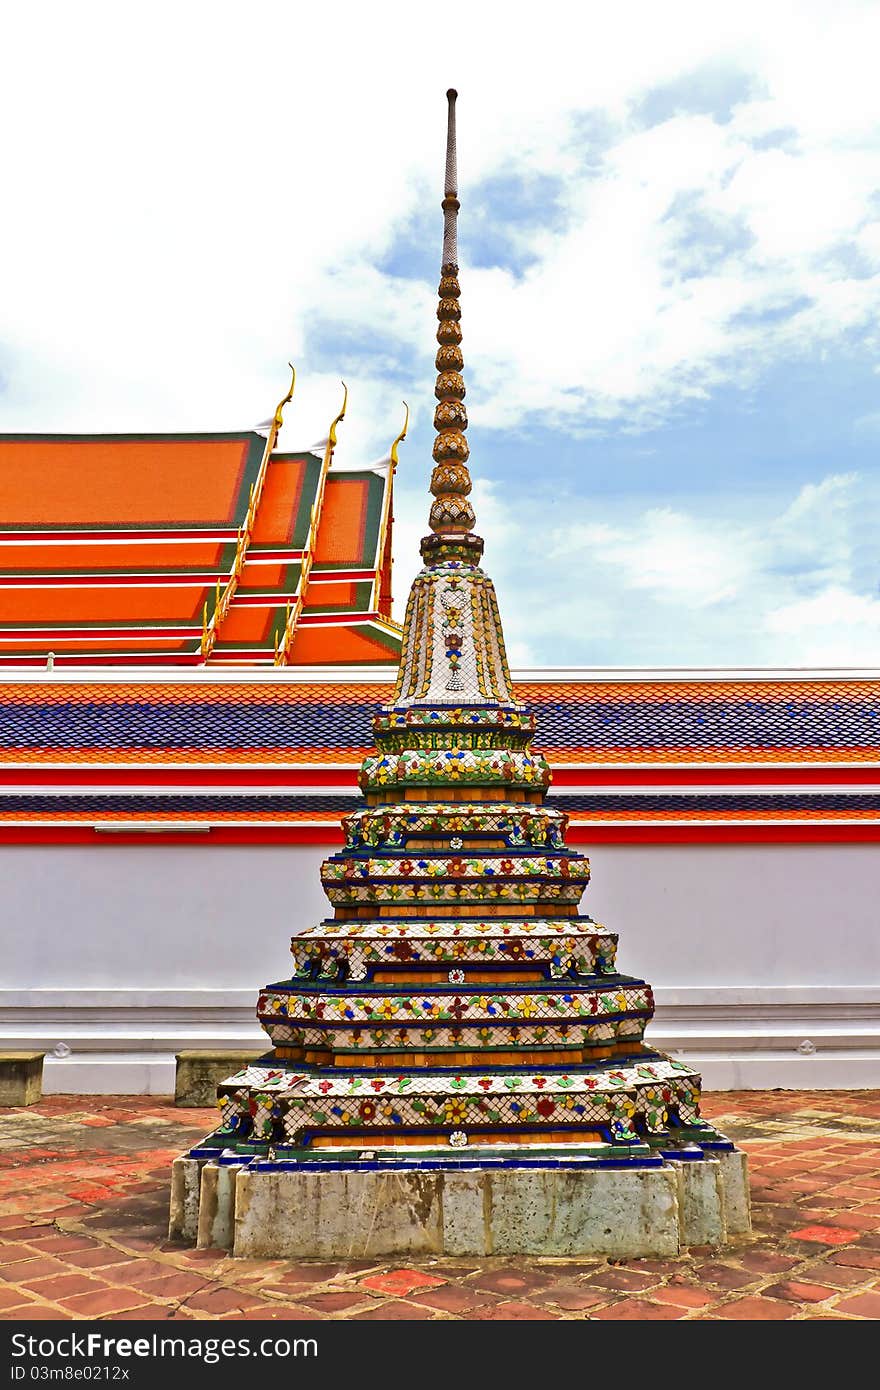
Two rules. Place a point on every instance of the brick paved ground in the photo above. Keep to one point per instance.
(83, 1213)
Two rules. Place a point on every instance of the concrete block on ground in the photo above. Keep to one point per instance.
(337, 1215)
(701, 1200)
(467, 1206)
(217, 1206)
(21, 1077)
(550, 1211)
(200, 1071)
(598, 1211)
(183, 1222)
(737, 1200)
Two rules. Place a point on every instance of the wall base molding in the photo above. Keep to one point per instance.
(123, 1041)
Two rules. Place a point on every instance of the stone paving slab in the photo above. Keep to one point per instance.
(84, 1184)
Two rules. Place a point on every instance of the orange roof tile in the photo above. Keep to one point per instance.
(103, 603)
(280, 504)
(92, 556)
(268, 576)
(778, 760)
(77, 507)
(334, 596)
(126, 480)
(97, 645)
(349, 646)
(249, 626)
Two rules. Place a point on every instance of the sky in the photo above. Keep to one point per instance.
(670, 263)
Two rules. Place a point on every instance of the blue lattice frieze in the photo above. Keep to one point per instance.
(569, 945)
(275, 1106)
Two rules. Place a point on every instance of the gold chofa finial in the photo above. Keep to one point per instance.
(331, 442)
(400, 438)
(278, 420)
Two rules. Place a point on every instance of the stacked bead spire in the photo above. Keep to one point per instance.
(451, 513)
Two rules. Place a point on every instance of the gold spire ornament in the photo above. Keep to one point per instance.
(278, 417)
(453, 646)
(223, 600)
(399, 440)
(331, 438)
(451, 516)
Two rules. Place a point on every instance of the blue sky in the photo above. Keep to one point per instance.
(670, 248)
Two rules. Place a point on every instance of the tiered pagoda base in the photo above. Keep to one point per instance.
(459, 1085)
(457, 1065)
(620, 1201)
(551, 1204)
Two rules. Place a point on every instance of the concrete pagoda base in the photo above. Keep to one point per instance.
(266, 1211)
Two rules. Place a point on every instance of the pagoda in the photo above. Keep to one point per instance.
(457, 1063)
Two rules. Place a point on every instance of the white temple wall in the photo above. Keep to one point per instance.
(765, 958)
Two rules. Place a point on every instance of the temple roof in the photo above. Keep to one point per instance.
(176, 549)
(249, 755)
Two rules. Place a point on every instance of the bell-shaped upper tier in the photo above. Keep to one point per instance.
(453, 645)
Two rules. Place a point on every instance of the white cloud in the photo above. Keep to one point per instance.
(195, 194)
(691, 563)
(672, 587)
(834, 628)
(693, 257)
(186, 197)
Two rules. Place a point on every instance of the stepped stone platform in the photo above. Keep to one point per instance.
(543, 1207)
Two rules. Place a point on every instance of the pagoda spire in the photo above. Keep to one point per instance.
(453, 645)
(452, 516)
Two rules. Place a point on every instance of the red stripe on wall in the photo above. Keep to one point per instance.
(295, 775)
(146, 774)
(327, 835)
(662, 775)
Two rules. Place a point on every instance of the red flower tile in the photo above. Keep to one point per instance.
(511, 1281)
(755, 1310)
(861, 1305)
(453, 1299)
(219, 1300)
(394, 1310)
(683, 1296)
(794, 1291)
(511, 1311)
(176, 1283)
(274, 1312)
(58, 1286)
(97, 1257)
(335, 1302)
(766, 1261)
(858, 1259)
(11, 1297)
(625, 1280)
(103, 1302)
(401, 1281)
(824, 1235)
(42, 1312)
(572, 1298)
(637, 1310)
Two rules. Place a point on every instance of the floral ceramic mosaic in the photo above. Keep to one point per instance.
(457, 1000)
(567, 947)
